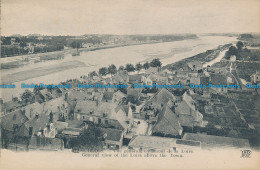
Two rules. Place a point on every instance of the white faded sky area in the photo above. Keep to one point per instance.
(78, 17)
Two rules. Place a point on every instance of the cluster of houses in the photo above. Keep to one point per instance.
(151, 119)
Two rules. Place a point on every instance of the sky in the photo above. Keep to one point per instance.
(78, 17)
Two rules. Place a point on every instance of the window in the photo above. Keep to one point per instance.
(14, 117)
(106, 121)
(99, 120)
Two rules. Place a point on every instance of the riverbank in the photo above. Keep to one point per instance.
(41, 71)
(204, 57)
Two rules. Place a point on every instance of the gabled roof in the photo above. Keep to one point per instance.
(97, 108)
(119, 93)
(167, 123)
(7, 106)
(135, 77)
(15, 117)
(162, 97)
(85, 106)
(107, 96)
(187, 111)
(134, 92)
(124, 108)
(211, 141)
(36, 123)
(79, 95)
(35, 108)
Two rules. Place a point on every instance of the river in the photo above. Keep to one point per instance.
(168, 52)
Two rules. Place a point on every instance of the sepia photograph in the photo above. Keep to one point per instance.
(129, 84)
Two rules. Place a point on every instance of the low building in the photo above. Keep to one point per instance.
(45, 144)
(40, 125)
(187, 113)
(113, 138)
(167, 124)
(9, 106)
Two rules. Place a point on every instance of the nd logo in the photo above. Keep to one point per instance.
(246, 153)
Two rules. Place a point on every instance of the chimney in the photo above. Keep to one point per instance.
(37, 116)
(51, 117)
(30, 131)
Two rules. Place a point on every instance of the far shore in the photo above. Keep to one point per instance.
(72, 50)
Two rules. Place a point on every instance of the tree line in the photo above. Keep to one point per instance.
(112, 69)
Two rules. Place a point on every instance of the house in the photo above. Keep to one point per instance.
(167, 72)
(48, 94)
(40, 125)
(159, 79)
(160, 99)
(152, 70)
(58, 107)
(134, 92)
(31, 110)
(123, 114)
(11, 121)
(255, 78)
(74, 95)
(147, 79)
(195, 65)
(188, 115)
(167, 124)
(211, 141)
(45, 144)
(113, 138)
(121, 77)
(136, 78)
(155, 143)
(100, 113)
(118, 96)
(108, 96)
(9, 106)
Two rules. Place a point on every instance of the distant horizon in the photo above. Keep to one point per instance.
(130, 34)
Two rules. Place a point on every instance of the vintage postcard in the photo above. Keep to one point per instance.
(130, 84)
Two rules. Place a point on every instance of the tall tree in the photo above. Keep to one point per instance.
(112, 69)
(146, 65)
(156, 63)
(138, 67)
(231, 51)
(27, 95)
(129, 67)
(91, 138)
(93, 73)
(239, 45)
(121, 68)
(103, 71)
